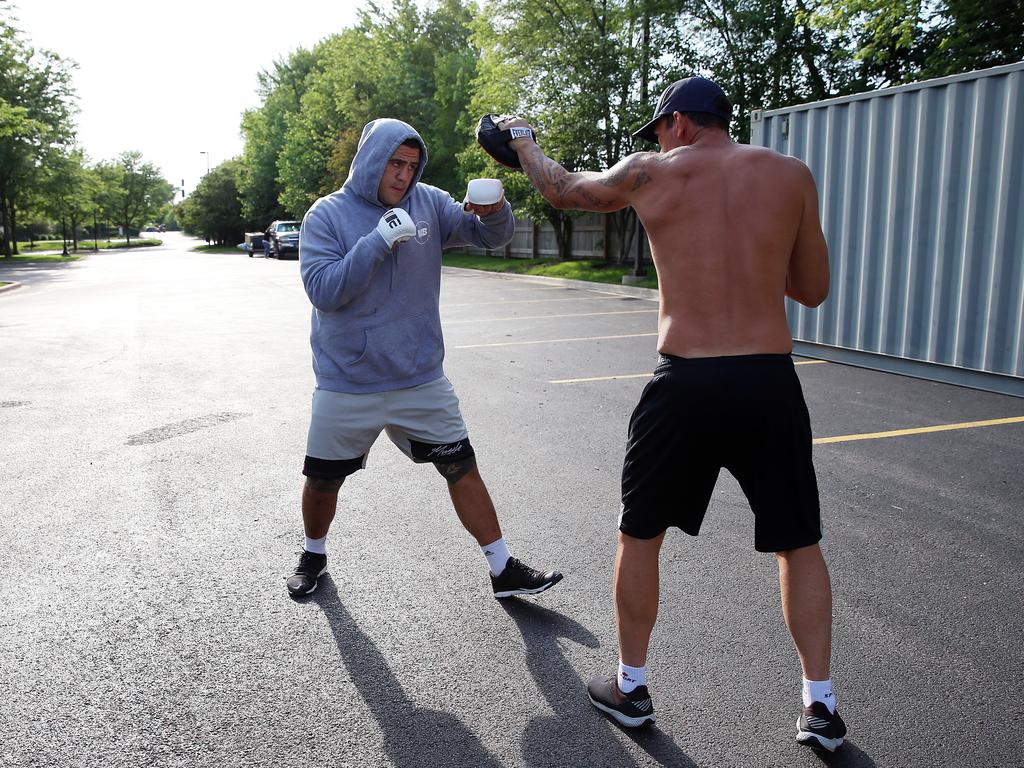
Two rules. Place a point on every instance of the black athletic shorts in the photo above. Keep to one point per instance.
(745, 413)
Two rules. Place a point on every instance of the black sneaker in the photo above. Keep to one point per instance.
(631, 709)
(310, 568)
(817, 727)
(519, 579)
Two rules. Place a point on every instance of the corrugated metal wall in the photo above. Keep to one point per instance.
(922, 208)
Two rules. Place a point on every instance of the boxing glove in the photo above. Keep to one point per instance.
(484, 191)
(396, 226)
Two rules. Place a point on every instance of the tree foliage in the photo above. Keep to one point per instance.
(214, 210)
(36, 107)
(132, 191)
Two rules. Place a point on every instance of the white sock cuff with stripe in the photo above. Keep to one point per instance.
(630, 678)
(819, 690)
(319, 546)
(497, 555)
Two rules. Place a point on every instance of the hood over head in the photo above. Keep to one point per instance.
(378, 142)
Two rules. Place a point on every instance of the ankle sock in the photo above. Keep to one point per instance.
(319, 546)
(497, 555)
(631, 678)
(819, 690)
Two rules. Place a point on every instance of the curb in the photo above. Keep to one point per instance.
(9, 287)
(651, 294)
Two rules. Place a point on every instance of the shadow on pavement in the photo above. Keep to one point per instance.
(413, 736)
(847, 756)
(38, 273)
(576, 734)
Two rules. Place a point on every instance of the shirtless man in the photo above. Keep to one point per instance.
(733, 230)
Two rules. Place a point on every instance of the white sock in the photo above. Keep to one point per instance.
(319, 546)
(819, 690)
(497, 555)
(631, 677)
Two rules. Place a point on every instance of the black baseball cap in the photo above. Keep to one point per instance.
(692, 94)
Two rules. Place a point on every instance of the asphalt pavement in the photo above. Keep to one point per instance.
(153, 410)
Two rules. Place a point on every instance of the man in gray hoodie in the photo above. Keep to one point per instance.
(370, 258)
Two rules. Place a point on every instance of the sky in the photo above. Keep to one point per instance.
(171, 79)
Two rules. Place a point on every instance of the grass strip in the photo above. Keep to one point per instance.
(86, 245)
(220, 249)
(38, 258)
(590, 271)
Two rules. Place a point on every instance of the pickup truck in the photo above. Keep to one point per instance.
(280, 238)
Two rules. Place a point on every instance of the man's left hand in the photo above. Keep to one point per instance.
(484, 210)
(518, 122)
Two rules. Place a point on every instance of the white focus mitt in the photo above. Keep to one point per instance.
(484, 191)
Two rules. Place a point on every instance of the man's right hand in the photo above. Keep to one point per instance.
(396, 226)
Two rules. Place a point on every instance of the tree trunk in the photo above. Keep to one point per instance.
(565, 240)
(3, 222)
(12, 218)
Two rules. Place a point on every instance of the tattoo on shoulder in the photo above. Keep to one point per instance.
(633, 169)
(616, 177)
(641, 179)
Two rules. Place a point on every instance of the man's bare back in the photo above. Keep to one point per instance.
(725, 222)
(733, 230)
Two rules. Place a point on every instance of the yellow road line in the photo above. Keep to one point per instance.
(554, 341)
(919, 430)
(545, 317)
(648, 375)
(603, 378)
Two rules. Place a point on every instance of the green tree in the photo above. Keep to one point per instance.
(68, 190)
(534, 52)
(973, 34)
(36, 106)
(213, 210)
(264, 129)
(132, 191)
(399, 62)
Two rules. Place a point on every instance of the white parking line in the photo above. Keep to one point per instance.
(548, 317)
(648, 375)
(554, 341)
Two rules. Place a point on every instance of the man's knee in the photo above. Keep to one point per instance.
(453, 471)
(329, 485)
(327, 475)
(808, 552)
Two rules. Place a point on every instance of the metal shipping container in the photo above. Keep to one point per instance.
(922, 209)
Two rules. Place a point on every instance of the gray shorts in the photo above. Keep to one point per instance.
(424, 422)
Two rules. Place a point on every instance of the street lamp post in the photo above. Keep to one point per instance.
(207, 160)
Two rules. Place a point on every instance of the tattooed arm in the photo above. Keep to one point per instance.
(606, 191)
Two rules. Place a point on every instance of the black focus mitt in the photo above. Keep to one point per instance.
(495, 141)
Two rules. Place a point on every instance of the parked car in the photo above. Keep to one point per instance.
(280, 238)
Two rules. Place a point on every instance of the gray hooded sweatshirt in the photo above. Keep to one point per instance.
(376, 326)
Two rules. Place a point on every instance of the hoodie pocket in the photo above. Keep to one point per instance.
(397, 351)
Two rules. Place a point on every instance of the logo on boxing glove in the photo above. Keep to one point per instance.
(396, 226)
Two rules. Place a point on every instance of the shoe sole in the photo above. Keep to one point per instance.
(629, 722)
(316, 583)
(537, 591)
(815, 741)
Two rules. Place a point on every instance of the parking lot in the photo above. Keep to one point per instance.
(154, 408)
